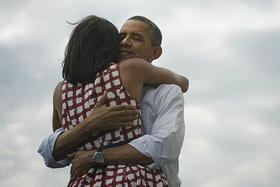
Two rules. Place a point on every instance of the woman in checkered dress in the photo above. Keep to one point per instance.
(89, 70)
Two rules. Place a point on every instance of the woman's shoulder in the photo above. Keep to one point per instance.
(58, 87)
(133, 63)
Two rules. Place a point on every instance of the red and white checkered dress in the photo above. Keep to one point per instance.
(77, 104)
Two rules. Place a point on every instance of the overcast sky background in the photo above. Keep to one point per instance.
(229, 49)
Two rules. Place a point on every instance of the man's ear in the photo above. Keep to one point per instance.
(157, 51)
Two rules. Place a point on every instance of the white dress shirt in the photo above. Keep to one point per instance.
(162, 110)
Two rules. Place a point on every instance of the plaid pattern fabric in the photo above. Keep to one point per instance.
(78, 102)
(122, 176)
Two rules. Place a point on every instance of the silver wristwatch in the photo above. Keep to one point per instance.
(99, 157)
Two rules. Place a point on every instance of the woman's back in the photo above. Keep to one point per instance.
(79, 100)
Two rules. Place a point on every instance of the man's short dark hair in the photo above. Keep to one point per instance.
(156, 36)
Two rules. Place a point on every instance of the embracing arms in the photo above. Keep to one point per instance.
(102, 118)
(163, 139)
(161, 136)
(139, 70)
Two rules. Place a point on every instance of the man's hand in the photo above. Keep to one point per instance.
(113, 117)
(102, 118)
(82, 161)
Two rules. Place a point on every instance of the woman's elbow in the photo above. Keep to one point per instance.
(185, 84)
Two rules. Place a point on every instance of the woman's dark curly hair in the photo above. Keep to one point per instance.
(93, 45)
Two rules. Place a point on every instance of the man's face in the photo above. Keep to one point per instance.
(136, 41)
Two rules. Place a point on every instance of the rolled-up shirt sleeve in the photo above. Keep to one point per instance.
(46, 149)
(163, 142)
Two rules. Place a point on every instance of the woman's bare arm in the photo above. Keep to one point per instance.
(147, 73)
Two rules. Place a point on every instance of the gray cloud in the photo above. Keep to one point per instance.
(231, 60)
(232, 112)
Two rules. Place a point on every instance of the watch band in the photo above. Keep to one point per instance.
(99, 149)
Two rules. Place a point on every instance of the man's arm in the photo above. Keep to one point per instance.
(82, 161)
(164, 134)
(102, 118)
(164, 138)
(46, 149)
(60, 143)
(162, 144)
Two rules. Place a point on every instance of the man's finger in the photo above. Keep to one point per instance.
(71, 155)
(72, 178)
(120, 124)
(125, 124)
(102, 101)
(124, 113)
(125, 118)
(122, 107)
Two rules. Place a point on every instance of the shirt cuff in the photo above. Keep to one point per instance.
(46, 150)
(150, 147)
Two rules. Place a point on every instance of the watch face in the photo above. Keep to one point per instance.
(99, 158)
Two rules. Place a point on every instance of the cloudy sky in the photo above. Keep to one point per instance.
(229, 49)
